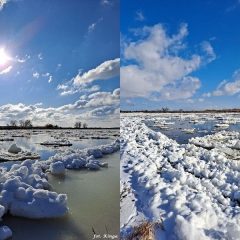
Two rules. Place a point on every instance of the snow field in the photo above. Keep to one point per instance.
(193, 191)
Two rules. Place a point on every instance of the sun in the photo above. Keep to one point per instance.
(4, 58)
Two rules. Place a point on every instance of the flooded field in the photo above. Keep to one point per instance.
(93, 196)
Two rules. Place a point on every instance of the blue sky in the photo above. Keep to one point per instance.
(61, 55)
(180, 54)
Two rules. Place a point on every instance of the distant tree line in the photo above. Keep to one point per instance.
(27, 124)
(80, 125)
(165, 110)
(21, 123)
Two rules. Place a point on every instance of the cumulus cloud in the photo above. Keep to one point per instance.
(226, 87)
(106, 70)
(155, 67)
(81, 82)
(99, 109)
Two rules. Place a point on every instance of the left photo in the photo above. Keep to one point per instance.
(59, 119)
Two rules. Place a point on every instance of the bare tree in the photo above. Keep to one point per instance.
(25, 123)
(21, 123)
(85, 125)
(165, 109)
(28, 123)
(13, 123)
(78, 125)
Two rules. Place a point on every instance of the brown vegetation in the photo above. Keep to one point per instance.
(145, 231)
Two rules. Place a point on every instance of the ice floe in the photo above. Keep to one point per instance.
(26, 192)
(14, 149)
(192, 189)
(57, 143)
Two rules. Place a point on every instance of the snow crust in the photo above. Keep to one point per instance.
(192, 189)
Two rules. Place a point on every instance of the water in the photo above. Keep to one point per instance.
(31, 140)
(93, 199)
(176, 132)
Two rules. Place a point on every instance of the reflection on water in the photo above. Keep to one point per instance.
(93, 199)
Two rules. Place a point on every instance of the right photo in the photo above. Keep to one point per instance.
(180, 120)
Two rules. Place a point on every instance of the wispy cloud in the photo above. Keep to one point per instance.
(93, 26)
(106, 2)
(139, 16)
(69, 89)
(58, 66)
(233, 6)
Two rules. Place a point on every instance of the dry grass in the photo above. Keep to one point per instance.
(145, 231)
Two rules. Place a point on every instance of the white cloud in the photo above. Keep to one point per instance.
(58, 66)
(69, 90)
(81, 82)
(106, 70)
(22, 59)
(50, 79)
(207, 47)
(6, 70)
(2, 3)
(40, 57)
(106, 2)
(36, 75)
(100, 109)
(229, 87)
(46, 74)
(155, 67)
(93, 26)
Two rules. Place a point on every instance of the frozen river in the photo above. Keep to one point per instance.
(93, 196)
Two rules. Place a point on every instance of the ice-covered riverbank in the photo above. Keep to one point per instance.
(24, 186)
(190, 191)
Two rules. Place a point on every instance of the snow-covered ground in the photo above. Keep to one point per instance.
(24, 187)
(191, 190)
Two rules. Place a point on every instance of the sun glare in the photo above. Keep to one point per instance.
(4, 58)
